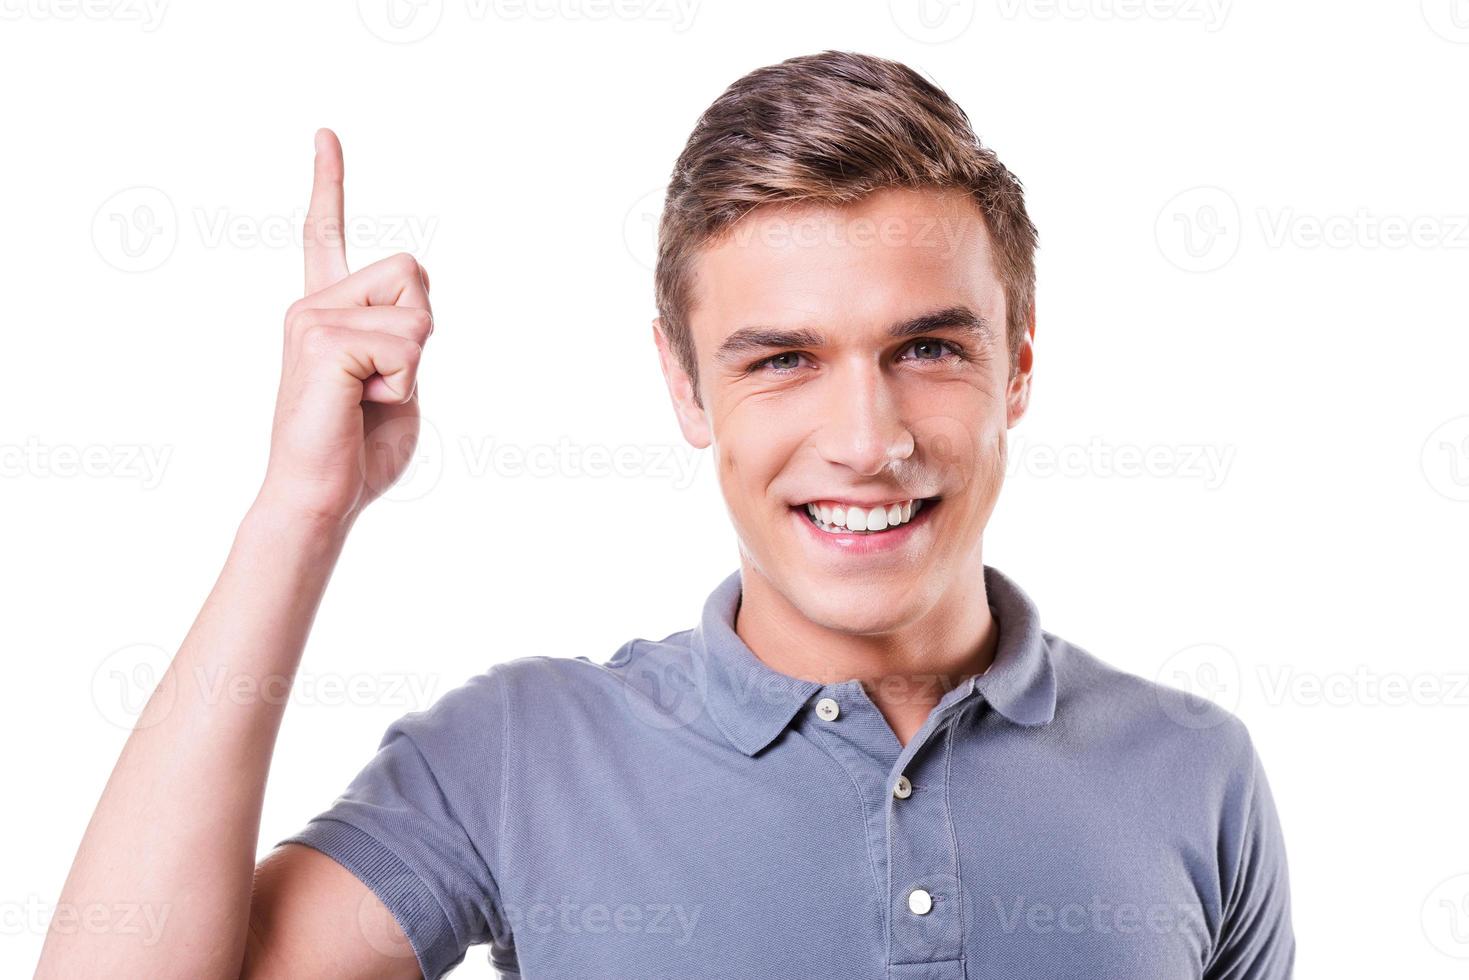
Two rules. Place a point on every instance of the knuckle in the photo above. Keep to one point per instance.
(317, 338)
(404, 264)
(422, 322)
(298, 319)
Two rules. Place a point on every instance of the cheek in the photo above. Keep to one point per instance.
(994, 451)
(964, 454)
(727, 459)
(753, 451)
(739, 471)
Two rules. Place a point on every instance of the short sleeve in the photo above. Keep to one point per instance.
(419, 825)
(1255, 940)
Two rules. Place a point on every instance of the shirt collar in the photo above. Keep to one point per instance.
(752, 702)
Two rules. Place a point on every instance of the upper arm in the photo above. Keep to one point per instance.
(399, 865)
(1256, 941)
(311, 917)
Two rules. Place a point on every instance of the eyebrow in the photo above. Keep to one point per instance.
(748, 340)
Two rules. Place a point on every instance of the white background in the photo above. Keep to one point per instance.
(1286, 345)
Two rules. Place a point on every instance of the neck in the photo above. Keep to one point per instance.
(905, 670)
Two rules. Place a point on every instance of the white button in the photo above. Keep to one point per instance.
(827, 709)
(919, 901)
(904, 789)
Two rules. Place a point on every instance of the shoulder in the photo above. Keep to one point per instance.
(638, 668)
(1145, 725)
(557, 696)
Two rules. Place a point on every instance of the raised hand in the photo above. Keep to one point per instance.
(178, 823)
(346, 416)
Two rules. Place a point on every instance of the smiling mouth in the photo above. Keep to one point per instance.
(865, 520)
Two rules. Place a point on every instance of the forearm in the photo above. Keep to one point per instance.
(173, 837)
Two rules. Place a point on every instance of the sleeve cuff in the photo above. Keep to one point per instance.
(409, 900)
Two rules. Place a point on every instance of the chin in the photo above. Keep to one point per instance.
(855, 603)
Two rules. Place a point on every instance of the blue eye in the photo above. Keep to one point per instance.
(776, 368)
(943, 349)
(788, 362)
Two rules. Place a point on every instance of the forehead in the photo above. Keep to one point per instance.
(848, 269)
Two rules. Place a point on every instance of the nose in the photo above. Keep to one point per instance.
(862, 426)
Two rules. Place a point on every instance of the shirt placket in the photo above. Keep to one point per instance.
(909, 825)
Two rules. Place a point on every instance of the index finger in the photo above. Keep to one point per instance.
(326, 251)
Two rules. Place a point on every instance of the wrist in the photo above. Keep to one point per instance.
(286, 522)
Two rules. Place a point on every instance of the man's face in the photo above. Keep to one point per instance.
(810, 398)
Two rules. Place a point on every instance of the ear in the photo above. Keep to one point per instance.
(692, 418)
(1017, 399)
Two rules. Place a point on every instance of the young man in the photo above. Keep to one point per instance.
(866, 759)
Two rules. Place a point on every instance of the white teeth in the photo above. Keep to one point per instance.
(864, 519)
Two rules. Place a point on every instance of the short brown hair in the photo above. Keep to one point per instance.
(830, 128)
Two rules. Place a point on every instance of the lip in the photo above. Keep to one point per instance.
(852, 543)
(847, 502)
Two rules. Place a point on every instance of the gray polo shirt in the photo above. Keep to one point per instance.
(682, 811)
